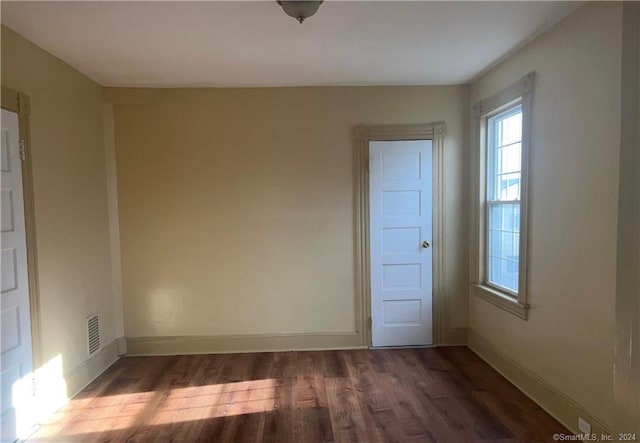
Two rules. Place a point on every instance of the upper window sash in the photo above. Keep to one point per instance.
(494, 150)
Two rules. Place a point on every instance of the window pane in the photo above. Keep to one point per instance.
(509, 158)
(511, 128)
(509, 186)
(503, 245)
(503, 273)
(510, 217)
(504, 155)
(495, 216)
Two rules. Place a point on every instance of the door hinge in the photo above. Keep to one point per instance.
(23, 155)
(34, 387)
(370, 322)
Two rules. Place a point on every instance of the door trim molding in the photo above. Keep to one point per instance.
(362, 136)
(20, 104)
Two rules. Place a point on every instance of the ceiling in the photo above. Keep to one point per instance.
(240, 43)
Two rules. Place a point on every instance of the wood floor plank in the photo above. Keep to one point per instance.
(347, 419)
(373, 397)
(280, 426)
(314, 425)
(369, 396)
(334, 364)
(311, 391)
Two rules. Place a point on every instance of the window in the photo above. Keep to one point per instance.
(501, 207)
(504, 153)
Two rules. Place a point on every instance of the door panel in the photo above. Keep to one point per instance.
(15, 356)
(400, 187)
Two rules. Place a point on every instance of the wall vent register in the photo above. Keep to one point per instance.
(93, 333)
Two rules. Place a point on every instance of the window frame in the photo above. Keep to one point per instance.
(519, 93)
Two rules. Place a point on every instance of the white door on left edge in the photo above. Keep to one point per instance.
(15, 322)
(400, 193)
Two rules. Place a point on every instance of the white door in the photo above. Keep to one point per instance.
(15, 321)
(400, 189)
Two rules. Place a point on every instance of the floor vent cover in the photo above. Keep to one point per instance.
(93, 333)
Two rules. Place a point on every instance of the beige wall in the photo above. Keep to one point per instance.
(627, 368)
(236, 205)
(568, 339)
(72, 227)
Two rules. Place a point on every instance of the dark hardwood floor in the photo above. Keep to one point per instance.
(412, 395)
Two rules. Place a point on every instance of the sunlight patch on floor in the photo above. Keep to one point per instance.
(121, 411)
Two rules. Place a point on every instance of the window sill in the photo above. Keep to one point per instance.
(501, 300)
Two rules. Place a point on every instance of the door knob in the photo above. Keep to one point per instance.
(426, 244)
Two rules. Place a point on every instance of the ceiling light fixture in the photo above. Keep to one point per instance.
(299, 10)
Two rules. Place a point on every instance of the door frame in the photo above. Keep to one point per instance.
(20, 104)
(362, 136)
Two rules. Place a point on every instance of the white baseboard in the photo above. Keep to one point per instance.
(79, 377)
(222, 344)
(548, 397)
